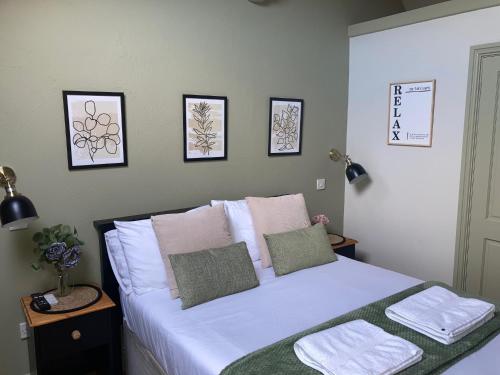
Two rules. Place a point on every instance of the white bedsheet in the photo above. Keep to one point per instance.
(204, 339)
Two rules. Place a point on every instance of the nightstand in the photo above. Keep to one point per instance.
(78, 342)
(346, 248)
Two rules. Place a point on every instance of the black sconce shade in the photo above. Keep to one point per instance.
(17, 212)
(355, 173)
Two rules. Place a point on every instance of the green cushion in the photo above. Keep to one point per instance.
(209, 274)
(299, 249)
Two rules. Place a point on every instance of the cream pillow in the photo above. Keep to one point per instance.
(276, 215)
(207, 228)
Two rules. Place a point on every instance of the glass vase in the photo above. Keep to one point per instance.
(63, 288)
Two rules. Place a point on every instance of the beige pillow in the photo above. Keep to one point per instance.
(190, 231)
(276, 215)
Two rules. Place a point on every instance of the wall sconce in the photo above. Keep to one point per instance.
(16, 210)
(353, 171)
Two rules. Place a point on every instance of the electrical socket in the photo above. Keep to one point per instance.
(321, 184)
(23, 331)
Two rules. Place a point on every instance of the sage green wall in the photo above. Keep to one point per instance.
(154, 51)
(414, 4)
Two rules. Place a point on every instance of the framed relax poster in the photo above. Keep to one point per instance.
(411, 113)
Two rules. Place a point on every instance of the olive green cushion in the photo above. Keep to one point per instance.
(213, 273)
(299, 249)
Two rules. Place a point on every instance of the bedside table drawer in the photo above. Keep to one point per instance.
(73, 335)
(346, 248)
(347, 251)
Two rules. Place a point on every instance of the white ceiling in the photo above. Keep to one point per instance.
(413, 4)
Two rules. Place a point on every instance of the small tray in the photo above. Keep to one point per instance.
(336, 239)
(81, 297)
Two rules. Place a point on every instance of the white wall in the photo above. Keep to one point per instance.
(406, 218)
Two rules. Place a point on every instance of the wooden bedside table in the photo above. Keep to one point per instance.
(77, 342)
(346, 248)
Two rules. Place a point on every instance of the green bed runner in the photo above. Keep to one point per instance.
(280, 359)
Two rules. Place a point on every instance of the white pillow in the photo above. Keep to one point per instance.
(241, 225)
(118, 261)
(142, 253)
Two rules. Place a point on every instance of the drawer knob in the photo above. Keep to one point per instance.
(76, 335)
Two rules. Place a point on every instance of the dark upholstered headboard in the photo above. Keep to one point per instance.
(108, 279)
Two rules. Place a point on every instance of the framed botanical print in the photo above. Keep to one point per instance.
(285, 126)
(95, 129)
(205, 127)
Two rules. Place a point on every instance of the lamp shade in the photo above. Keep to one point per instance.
(355, 173)
(16, 212)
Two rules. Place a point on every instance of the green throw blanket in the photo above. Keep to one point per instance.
(280, 359)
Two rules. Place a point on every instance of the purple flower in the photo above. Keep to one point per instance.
(55, 251)
(70, 257)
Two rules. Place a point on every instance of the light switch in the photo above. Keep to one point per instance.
(321, 184)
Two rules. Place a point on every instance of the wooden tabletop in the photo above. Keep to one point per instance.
(347, 242)
(36, 319)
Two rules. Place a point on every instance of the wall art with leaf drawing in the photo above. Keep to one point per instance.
(285, 126)
(205, 127)
(95, 129)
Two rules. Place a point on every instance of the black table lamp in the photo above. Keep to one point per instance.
(16, 210)
(353, 171)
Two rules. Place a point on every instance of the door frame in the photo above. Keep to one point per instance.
(477, 56)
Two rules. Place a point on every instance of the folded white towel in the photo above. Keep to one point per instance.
(441, 314)
(356, 348)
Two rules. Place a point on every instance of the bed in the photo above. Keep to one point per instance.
(160, 338)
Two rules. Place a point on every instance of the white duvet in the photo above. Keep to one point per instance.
(204, 339)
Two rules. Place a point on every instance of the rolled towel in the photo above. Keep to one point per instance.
(356, 348)
(440, 314)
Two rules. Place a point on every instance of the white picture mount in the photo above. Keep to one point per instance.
(411, 113)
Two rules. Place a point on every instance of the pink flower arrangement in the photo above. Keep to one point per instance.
(320, 219)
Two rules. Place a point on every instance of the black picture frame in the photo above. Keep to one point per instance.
(296, 150)
(185, 99)
(85, 137)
